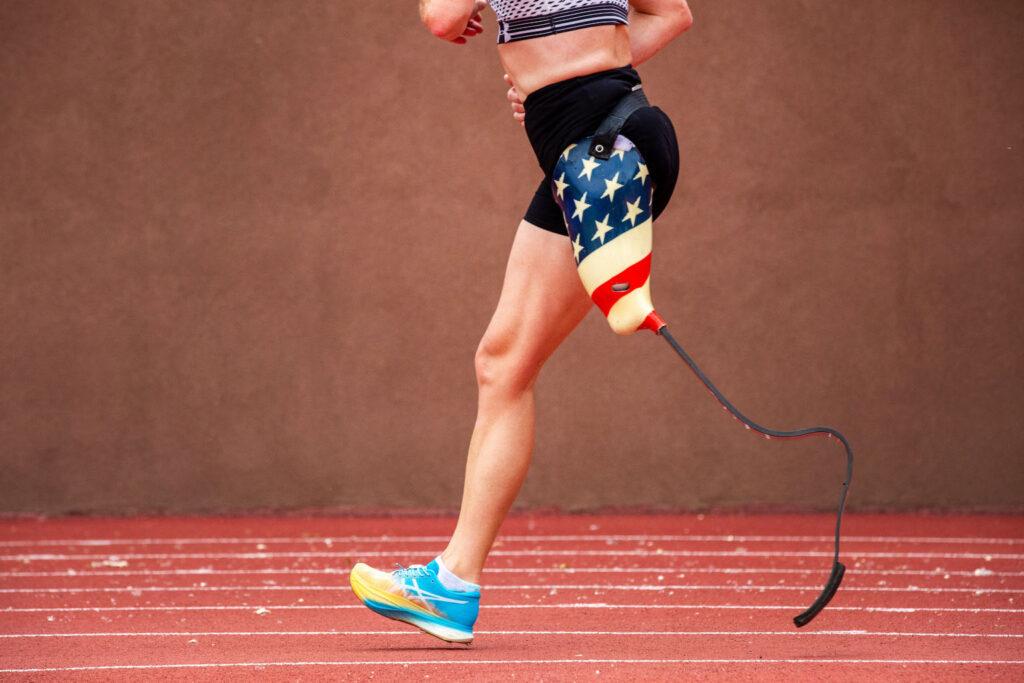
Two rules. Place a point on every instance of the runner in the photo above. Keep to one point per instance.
(568, 64)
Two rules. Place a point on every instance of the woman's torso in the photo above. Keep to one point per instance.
(537, 62)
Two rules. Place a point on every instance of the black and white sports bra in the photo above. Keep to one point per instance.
(524, 19)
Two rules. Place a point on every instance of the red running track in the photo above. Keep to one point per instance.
(620, 597)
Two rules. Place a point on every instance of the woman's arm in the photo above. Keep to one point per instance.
(453, 20)
(653, 24)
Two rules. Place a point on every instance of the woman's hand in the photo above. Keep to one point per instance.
(474, 26)
(448, 22)
(515, 101)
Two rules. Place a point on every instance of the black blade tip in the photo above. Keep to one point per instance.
(834, 579)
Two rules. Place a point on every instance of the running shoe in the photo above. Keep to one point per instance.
(416, 596)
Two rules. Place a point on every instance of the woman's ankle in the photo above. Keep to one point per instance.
(459, 568)
(453, 581)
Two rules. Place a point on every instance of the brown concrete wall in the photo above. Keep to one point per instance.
(247, 250)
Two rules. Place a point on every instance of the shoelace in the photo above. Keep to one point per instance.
(411, 571)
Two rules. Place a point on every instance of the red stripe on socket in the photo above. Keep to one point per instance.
(636, 275)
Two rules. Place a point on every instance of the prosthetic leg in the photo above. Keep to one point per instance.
(604, 189)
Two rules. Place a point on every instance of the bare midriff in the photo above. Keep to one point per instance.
(537, 62)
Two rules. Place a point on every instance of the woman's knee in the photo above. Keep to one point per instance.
(504, 365)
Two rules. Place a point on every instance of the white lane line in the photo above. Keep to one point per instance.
(506, 662)
(568, 552)
(648, 587)
(514, 538)
(937, 572)
(249, 634)
(564, 605)
(204, 571)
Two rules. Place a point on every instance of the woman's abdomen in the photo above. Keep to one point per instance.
(537, 62)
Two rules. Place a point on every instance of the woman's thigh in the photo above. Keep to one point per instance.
(542, 300)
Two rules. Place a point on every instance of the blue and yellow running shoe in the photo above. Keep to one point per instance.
(416, 596)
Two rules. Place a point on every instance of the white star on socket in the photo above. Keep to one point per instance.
(581, 206)
(642, 173)
(602, 228)
(588, 168)
(611, 187)
(632, 211)
(560, 185)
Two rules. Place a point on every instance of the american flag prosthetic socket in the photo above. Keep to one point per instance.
(606, 202)
(607, 210)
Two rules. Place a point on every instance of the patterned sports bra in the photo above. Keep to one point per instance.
(524, 19)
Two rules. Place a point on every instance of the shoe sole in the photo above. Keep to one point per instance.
(376, 600)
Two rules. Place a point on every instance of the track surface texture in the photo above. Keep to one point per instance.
(620, 597)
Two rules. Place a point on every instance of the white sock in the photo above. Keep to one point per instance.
(452, 582)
